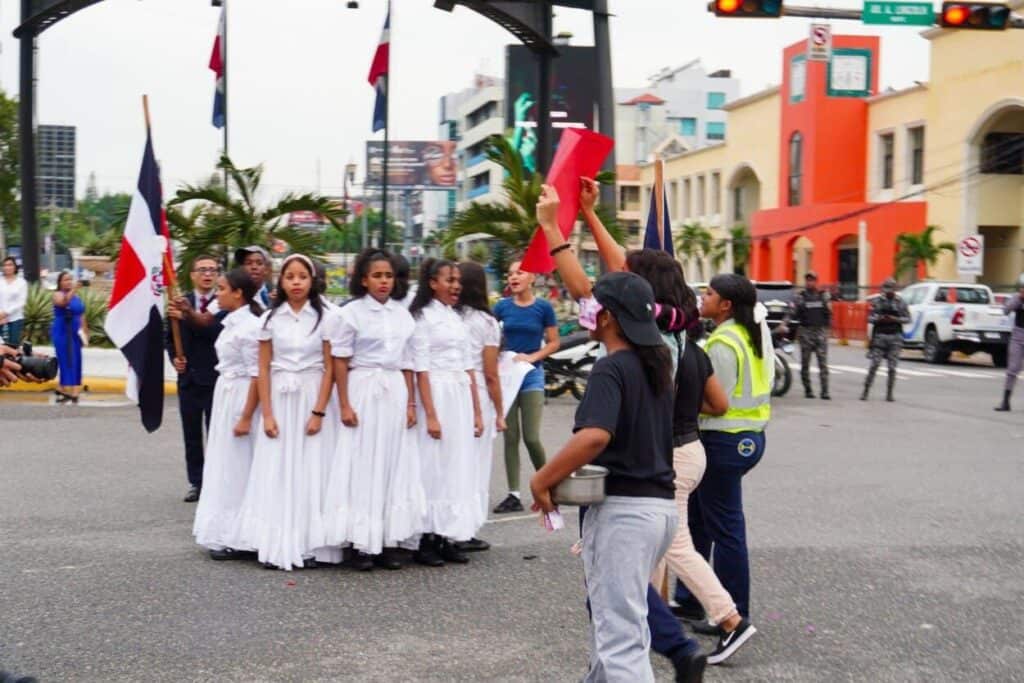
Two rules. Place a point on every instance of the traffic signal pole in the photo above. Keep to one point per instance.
(1016, 21)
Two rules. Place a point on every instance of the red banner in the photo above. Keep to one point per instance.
(580, 154)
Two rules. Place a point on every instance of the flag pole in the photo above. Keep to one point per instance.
(224, 57)
(179, 351)
(384, 178)
(659, 199)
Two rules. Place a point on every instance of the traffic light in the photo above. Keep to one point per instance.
(982, 16)
(747, 9)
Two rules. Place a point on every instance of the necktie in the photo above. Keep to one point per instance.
(203, 303)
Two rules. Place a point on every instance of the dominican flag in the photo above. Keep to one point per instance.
(378, 77)
(219, 65)
(134, 321)
(651, 239)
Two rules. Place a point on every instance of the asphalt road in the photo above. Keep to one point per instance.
(886, 541)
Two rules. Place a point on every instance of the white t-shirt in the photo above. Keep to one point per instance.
(13, 296)
(296, 337)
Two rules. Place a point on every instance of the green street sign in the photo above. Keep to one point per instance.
(898, 13)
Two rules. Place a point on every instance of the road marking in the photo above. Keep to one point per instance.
(972, 375)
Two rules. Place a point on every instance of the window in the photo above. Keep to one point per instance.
(886, 149)
(686, 198)
(702, 191)
(688, 127)
(737, 204)
(716, 193)
(716, 130)
(673, 196)
(913, 295)
(942, 296)
(971, 295)
(481, 114)
(796, 157)
(917, 155)
(716, 100)
(1003, 153)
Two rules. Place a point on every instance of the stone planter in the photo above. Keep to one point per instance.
(97, 264)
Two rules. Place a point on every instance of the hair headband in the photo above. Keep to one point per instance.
(302, 257)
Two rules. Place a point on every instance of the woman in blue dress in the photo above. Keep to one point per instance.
(67, 332)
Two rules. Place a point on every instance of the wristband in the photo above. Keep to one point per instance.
(561, 247)
(319, 413)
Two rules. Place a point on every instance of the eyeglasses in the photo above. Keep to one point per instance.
(206, 271)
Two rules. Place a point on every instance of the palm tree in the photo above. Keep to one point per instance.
(693, 243)
(917, 249)
(227, 220)
(512, 223)
(740, 239)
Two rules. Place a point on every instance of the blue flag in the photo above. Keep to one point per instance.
(651, 233)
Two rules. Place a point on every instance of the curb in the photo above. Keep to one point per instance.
(100, 385)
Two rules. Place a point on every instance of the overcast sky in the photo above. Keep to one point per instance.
(298, 91)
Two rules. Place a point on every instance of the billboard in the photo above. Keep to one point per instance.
(573, 95)
(413, 164)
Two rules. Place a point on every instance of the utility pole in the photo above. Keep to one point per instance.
(27, 135)
(605, 95)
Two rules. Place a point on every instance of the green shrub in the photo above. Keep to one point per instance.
(39, 316)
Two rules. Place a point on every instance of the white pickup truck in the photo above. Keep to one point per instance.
(955, 316)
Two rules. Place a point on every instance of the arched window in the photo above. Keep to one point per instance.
(796, 158)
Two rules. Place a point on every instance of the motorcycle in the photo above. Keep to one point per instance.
(569, 368)
(783, 374)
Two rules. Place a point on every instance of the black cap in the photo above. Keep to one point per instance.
(242, 252)
(631, 300)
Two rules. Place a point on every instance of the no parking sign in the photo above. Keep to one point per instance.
(819, 44)
(970, 255)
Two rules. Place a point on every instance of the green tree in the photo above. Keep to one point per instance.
(479, 253)
(513, 223)
(740, 237)
(499, 261)
(914, 249)
(693, 243)
(10, 207)
(227, 220)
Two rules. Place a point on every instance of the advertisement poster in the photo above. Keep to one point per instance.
(413, 164)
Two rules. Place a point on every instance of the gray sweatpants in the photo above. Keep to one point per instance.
(1014, 359)
(623, 540)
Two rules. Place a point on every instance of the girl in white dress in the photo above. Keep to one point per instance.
(484, 346)
(229, 442)
(375, 499)
(449, 415)
(282, 515)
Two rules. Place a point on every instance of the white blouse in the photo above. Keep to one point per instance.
(372, 334)
(296, 337)
(441, 340)
(484, 331)
(13, 296)
(237, 346)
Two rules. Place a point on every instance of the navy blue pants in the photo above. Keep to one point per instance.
(717, 524)
(668, 638)
(195, 403)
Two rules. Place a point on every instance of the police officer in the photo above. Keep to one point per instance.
(888, 315)
(813, 314)
(1015, 352)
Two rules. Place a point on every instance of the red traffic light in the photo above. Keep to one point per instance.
(982, 16)
(747, 9)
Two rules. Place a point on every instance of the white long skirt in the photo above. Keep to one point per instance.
(281, 514)
(227, 465)
(449, 464)
(331, 553)
(375, 498)
(485, 445)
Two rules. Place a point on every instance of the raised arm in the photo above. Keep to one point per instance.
(573, 275)
(611, 252)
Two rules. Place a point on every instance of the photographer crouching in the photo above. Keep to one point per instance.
(20, 364)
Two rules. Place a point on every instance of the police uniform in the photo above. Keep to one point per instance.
(886, 337)
(1015, 351)
(813, 314)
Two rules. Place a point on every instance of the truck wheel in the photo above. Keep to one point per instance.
(999, 357)
(934, 350)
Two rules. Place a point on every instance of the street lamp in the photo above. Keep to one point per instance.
(350, 177)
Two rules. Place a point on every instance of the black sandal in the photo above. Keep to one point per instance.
(61, 396)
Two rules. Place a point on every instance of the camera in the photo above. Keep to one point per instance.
(37, 366)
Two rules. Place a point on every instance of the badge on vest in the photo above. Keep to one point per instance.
(746, 448)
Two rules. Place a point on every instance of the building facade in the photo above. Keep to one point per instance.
(55, 170)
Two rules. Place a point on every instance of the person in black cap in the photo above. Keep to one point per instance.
(623, 423)
(256, 261)
(813, 316)
(889, 313)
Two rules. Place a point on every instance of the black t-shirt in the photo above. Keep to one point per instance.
(620, 401)
(692, 375)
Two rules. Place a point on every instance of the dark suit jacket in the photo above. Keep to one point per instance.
(197, 343)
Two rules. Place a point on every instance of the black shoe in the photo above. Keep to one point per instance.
(825, 396)
(1004, 407)
(386, 560)
(449, 553)
(687, 612)
(473, 545)
(690, 669)
(225, 554)
(728, 643)
(510, 504)
(864, 395)
(193, 494)
(427, 554)
(889, 398)
(808, 393)
(359, 561)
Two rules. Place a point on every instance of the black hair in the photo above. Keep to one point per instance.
(665, 275)
(367, 257)
(474, 288)
(60, 276)
(13, 261)
(281, 297)
(429, 270)
(205, 257)
(657, 364)
(319, 278)
(400, 265)
(741, 293)
(238, 279)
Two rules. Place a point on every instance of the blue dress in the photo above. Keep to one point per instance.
(67, 321)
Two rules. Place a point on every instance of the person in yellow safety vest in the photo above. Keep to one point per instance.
(743, 359)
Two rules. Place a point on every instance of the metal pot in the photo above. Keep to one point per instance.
(585, 486)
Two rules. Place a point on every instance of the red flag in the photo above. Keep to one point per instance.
(580, 154)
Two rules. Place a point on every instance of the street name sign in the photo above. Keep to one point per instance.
(898, 13)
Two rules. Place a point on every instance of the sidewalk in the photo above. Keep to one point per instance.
(103, 371)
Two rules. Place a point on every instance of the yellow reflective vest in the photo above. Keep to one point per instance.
(750, 403)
